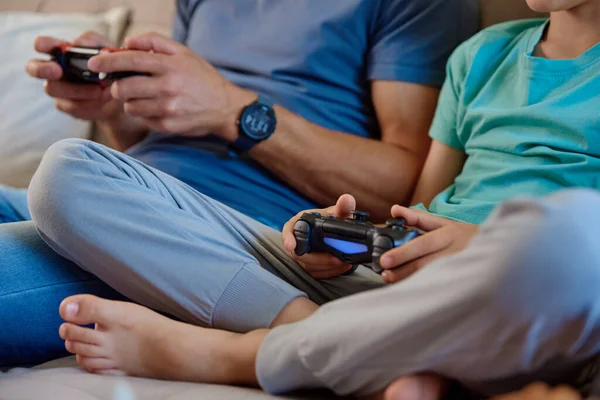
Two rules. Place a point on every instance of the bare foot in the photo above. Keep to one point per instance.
(418, 387)
(133, 340)
(414, 387)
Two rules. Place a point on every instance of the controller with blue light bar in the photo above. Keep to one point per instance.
(354, 241)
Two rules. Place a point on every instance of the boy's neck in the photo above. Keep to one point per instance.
(571, 33)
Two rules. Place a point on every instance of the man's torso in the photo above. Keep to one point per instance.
(315, 58)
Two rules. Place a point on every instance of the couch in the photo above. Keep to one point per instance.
(156, 15)
(61, 379)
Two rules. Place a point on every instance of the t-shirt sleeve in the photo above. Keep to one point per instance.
(445, 123)
(181, 22)
(412, 40)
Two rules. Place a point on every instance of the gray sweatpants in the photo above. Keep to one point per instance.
(521, 302)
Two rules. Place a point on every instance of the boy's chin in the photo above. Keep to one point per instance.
(540, 5)
(553, 5)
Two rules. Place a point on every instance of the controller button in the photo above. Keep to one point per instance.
(302, 226)
(395, 223)
(360, 215)
(383, 242)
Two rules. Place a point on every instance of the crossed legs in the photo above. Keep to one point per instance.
(209, 266)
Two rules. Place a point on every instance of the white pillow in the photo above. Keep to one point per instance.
(29, 123)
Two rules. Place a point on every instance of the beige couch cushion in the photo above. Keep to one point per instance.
(26, 132)
(157, 15)
(149, 15)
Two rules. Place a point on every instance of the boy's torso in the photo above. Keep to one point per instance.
(529, 126)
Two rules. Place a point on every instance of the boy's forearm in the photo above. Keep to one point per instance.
(242, 358)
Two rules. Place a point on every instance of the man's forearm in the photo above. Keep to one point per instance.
(323, 164)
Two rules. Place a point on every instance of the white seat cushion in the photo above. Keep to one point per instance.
(62, 380)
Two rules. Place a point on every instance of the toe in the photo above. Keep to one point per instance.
(110, 372)
(96, 364)
(87, 309)
(84, 349)
(77, 333)
(420, 387)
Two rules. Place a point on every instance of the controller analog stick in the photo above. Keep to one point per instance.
(395, 223)
(359, 215)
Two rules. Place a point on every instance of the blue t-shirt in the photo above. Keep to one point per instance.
(313, 57)
(530, 126)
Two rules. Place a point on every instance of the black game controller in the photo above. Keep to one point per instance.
(73, 61)
(354, 241)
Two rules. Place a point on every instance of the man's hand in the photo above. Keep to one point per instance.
(184, 94)
(88, 102)
(320, 265)
(443, 237)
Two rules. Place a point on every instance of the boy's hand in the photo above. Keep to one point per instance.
(88, 102)
(320, 265)
(444, 237)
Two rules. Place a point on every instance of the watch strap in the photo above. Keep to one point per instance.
(243, 143)
(266, 100)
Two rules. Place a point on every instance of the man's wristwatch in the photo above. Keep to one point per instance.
(257, 122)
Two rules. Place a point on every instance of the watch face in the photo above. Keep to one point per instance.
(258, 121)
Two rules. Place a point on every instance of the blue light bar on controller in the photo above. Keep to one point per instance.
(346, 247)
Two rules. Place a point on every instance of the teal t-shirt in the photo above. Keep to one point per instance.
(529, 126)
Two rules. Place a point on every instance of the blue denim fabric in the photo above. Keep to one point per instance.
(33, 282)
(13, 205)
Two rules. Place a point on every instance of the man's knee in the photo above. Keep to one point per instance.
(551, 262)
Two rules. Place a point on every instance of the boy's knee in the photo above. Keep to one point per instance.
(54, 191)
(552, 263)
(60, 162)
